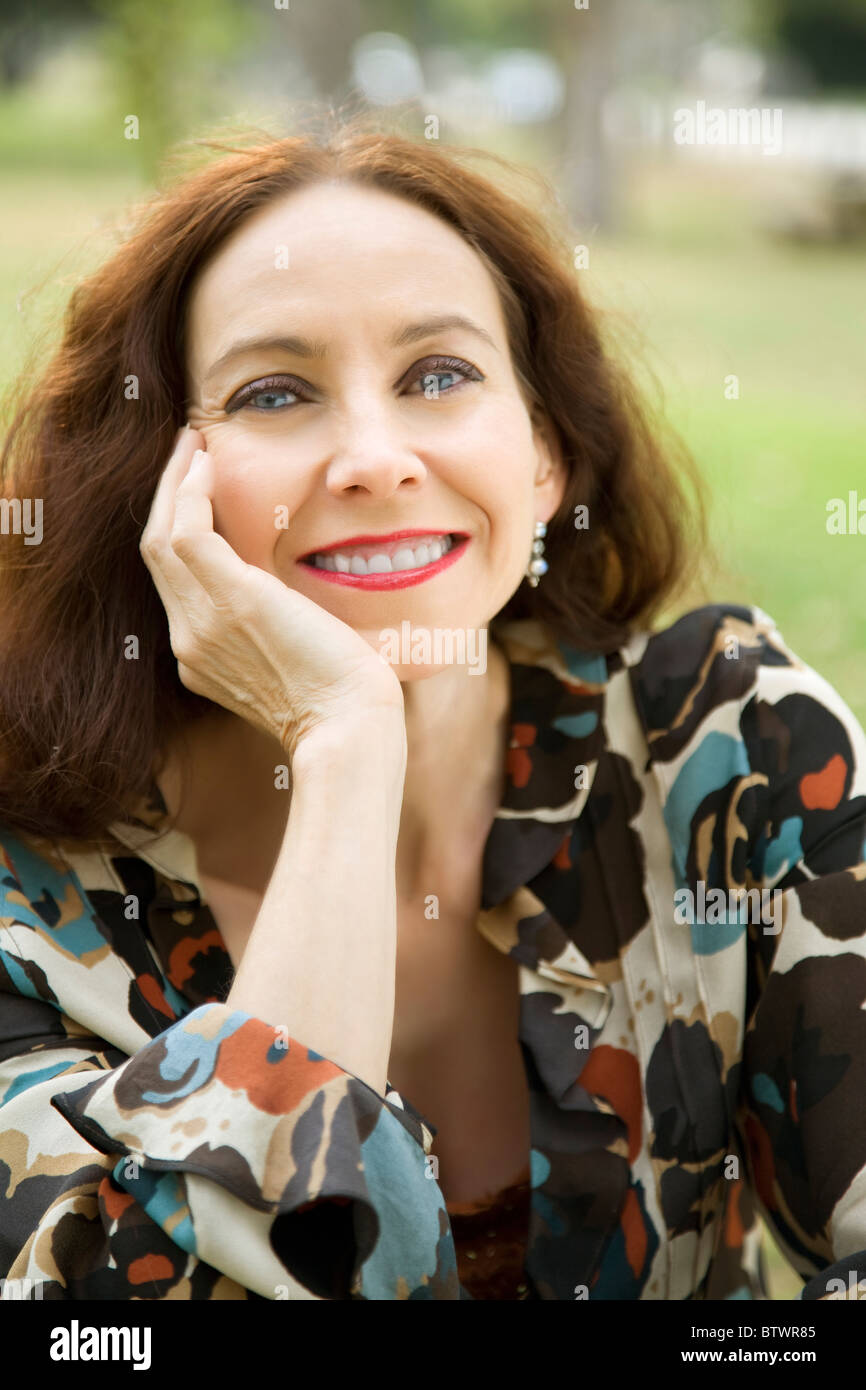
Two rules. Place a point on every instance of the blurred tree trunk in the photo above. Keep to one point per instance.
(17, 53)
(325, 34)
(164, 63)
(585, 42)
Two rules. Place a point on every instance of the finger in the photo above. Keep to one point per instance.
(161, 517)
(207, 555)
(193, 508)
(179, 590)
(171, 577)
(179, 629)
(177, 587)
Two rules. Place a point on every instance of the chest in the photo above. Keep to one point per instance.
(234, 908)
(455, 1053)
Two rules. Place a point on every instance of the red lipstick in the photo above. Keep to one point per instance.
(401, 579)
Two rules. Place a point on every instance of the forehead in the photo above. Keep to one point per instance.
(323, 252)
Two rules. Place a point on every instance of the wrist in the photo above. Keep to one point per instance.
(375, 736)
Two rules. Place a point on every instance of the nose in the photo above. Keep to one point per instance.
(373, 453)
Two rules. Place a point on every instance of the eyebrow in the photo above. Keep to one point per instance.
(308, 347)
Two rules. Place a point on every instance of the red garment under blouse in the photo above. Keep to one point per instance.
(490, 1238)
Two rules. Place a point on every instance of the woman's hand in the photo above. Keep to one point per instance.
(241, 637)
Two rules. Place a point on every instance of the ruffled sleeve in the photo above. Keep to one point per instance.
(220, 1159)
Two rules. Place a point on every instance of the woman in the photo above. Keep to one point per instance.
(342, 964)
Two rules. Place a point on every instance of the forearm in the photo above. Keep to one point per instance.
(320, 959)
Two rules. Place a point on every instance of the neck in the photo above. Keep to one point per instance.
(456, 728)
(236, 816)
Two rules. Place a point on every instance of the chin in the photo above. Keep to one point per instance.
(415, 652)
(408, 675)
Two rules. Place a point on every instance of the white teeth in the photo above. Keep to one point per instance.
(403, 559)
(406, 558)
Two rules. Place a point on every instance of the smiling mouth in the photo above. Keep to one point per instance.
(388, 564)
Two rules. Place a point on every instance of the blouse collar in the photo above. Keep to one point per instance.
(556, 733)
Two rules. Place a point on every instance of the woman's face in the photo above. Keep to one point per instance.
(316, 338)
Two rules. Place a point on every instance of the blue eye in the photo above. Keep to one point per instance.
(428, 379)
(430, 382)
(268, 397)
(271, 390)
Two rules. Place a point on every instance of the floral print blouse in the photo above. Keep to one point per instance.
(693, 1056)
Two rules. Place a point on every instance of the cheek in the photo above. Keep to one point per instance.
(495, 466)
(500, 445)
(239, 515)
(253, 497)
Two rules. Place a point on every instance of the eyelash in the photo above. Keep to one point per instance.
(430, 367)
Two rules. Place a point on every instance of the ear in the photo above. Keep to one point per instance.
(551, 475)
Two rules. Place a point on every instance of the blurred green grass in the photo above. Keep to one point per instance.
(692, 276)
(711, 295)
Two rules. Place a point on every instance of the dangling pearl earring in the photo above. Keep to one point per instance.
(537, 565)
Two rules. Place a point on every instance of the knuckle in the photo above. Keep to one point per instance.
(182, 543)
(185, 643)
(189, 679)
(184, 651)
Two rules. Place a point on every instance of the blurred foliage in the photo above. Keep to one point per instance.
(830, 38)
(456, 22)
(26, 30)
(184, 64)
(165, 63)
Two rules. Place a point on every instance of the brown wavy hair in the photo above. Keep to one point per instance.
(82, 730)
